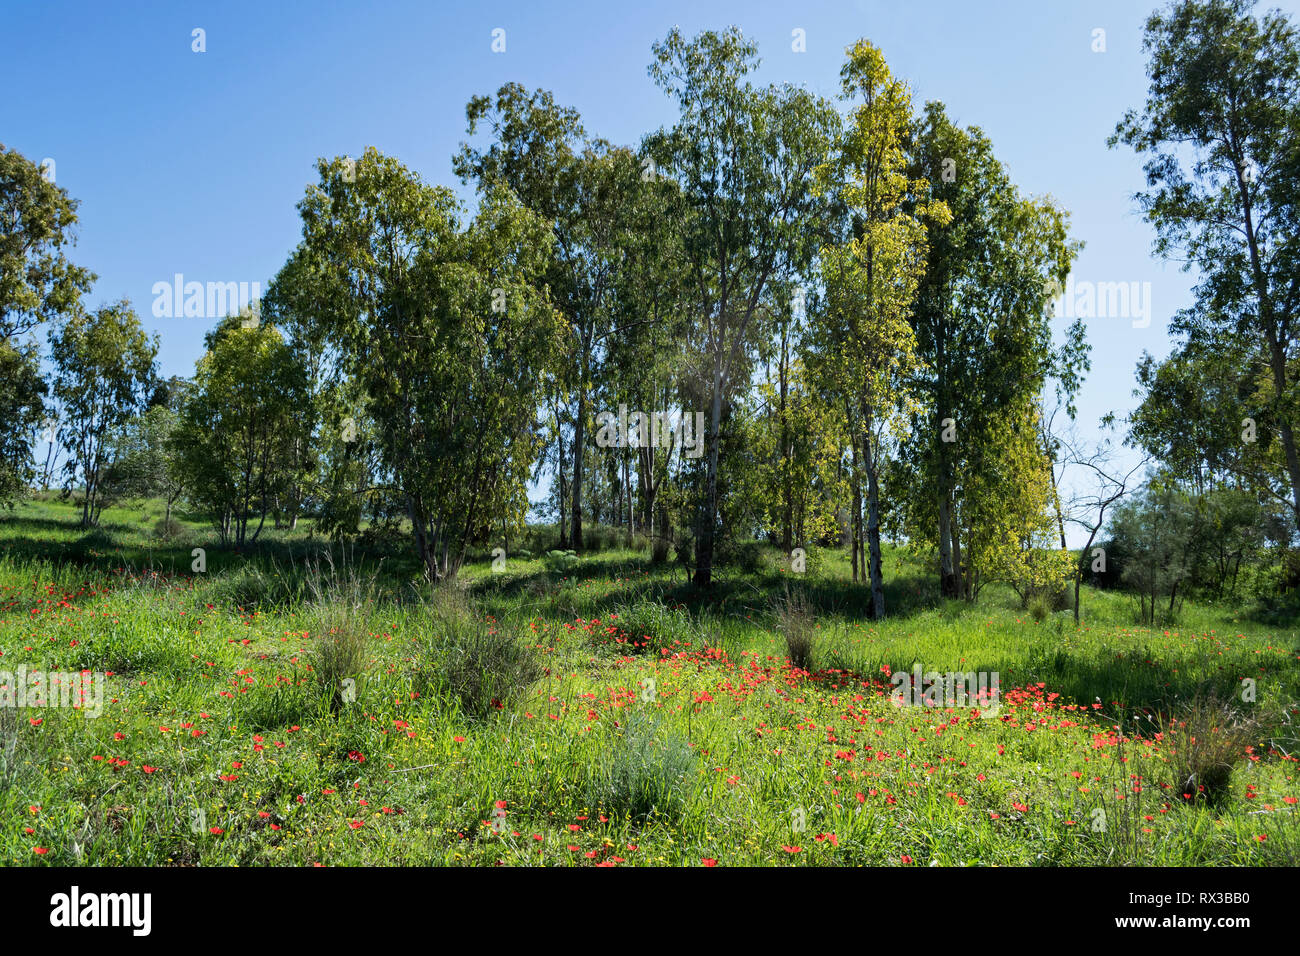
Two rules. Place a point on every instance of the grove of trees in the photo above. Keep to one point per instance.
(853, 294)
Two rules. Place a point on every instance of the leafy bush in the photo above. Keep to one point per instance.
(168, 529)
(561, 561)
(597, 538)
(744, 556)
(814, 559)
(1039, 575)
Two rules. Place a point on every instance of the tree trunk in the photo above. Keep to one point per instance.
(1277, 363)
(709, 519)
(873, 522)
(576, 490)
(660, 553)
(963, 583)
(948, 586)
(855, 524)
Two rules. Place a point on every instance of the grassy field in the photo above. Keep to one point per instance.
(278, 709)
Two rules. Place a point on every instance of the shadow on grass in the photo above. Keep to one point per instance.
(753, 595)
(106, 551)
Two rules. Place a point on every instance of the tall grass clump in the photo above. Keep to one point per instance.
(251, 587)
(472, 660)
(797, 624)
(339, 620)
(652, 626)
(1205, 738)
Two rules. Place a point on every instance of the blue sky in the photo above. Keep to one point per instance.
(192, 163)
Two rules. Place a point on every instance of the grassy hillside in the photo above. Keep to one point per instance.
(280, 709)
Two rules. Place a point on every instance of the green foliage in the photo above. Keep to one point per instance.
(1220, 133)
(651, 627)
(447, 332)
(252, 587)
(863, 353)
(561, 561)
(22, 409)
(743, 158)
(1156, 530)
(38, 285)
(984, 341)
(858, 306)
(103, 374)
(238, 427)
(141, 464)
(483, 668)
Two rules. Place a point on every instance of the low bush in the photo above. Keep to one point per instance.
(642, 773)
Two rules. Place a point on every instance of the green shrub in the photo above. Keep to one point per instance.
(168, 529)
(744, 556)
(561, 561)
(486, 672)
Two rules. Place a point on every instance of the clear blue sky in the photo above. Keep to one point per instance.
(193, 162)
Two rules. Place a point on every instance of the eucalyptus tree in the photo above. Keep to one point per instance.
(38, 285)
(743, 158)
(104, 374)
(1220, 131)
(801, 434)
(290, 304)
(1197, 409)
(238, 424)
(866, 348)
(583, 189)
(645, 357)
(984, 341)
(141, 464)
(448, 330)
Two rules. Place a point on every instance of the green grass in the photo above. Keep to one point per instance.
(220, 744)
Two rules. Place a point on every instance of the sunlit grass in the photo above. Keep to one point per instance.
(219, 746)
